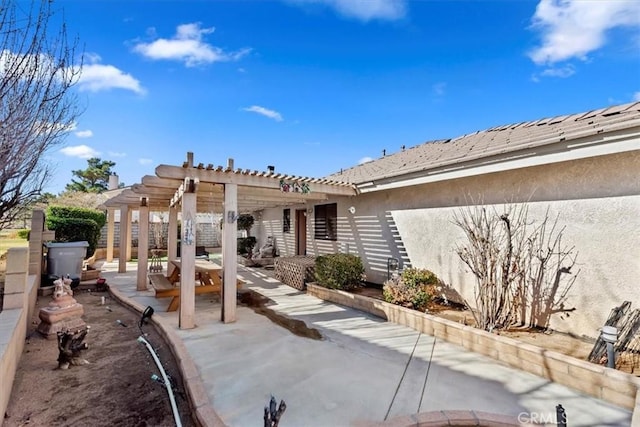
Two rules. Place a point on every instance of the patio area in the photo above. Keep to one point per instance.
(364, 370)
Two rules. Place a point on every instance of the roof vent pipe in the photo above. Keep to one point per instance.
(271, 169)
(384, 152)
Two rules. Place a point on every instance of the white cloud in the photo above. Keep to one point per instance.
(364, 10)
(560, 72)
(116, 154)
(265, 112)
(81, 151)
(439, 88)
(573, 28)
(93, 76)
(144, 161)
(366, 159)
(84, 134)
(187, 46)
(97, 77)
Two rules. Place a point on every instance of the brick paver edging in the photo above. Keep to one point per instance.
(449, 418)
(197, 394)
(604, 383)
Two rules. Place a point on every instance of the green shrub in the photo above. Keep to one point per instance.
(24, 234)
(245, 222)
(413, 289)
(397, 291)
(76, 230)
(339, 271)
(246, 244)
(72, 212)
(73, 224)
(418, 276)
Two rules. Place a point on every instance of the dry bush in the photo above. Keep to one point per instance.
(520, 266)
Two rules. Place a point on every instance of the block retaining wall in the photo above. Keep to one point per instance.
(604, 383)
(21, 293)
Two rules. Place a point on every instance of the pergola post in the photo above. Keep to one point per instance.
(129, 233)
(229, 253)
(172, 239)
(143, 245)
(111, 226)
(187, 261)
(124, 232)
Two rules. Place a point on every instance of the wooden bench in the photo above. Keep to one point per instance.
(164, 288)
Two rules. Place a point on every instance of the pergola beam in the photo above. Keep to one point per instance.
(245, 204)
(261, 180)
(208, 190)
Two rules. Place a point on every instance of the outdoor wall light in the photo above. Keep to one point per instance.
(232, 217)
(352, 210)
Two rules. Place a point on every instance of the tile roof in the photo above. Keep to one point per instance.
(494, 141)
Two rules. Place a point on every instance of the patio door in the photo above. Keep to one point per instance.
(301, 231)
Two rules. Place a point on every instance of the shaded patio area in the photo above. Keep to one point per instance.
(194, 188)
(363, 371)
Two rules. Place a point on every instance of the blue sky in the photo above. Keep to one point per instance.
(313, 86)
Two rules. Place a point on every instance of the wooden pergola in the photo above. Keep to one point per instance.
(198, 188)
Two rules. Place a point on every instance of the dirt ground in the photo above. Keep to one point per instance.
(114, 389)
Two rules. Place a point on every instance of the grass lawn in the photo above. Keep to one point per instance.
(10, 239)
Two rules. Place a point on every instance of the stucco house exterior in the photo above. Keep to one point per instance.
(584, 168)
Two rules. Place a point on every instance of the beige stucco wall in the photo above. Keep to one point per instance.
(605, 233)
(597, 200)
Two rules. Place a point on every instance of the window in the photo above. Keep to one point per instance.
(286, 221)
(326, 222)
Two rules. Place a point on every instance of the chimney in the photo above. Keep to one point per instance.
(113, 181)
(271, 169)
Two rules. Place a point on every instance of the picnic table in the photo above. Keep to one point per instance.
(207, 273)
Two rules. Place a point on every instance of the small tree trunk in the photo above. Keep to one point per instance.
(272, 415)
(69, 346)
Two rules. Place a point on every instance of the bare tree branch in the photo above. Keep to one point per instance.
(37, 107)
(519, 266)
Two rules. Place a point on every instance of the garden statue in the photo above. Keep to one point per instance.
(62, 288)
(268, 250)
(63, 312)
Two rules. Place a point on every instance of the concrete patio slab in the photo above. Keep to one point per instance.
(363, 369)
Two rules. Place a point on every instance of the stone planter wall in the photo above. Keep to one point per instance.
(608, 384)
(18, 306)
